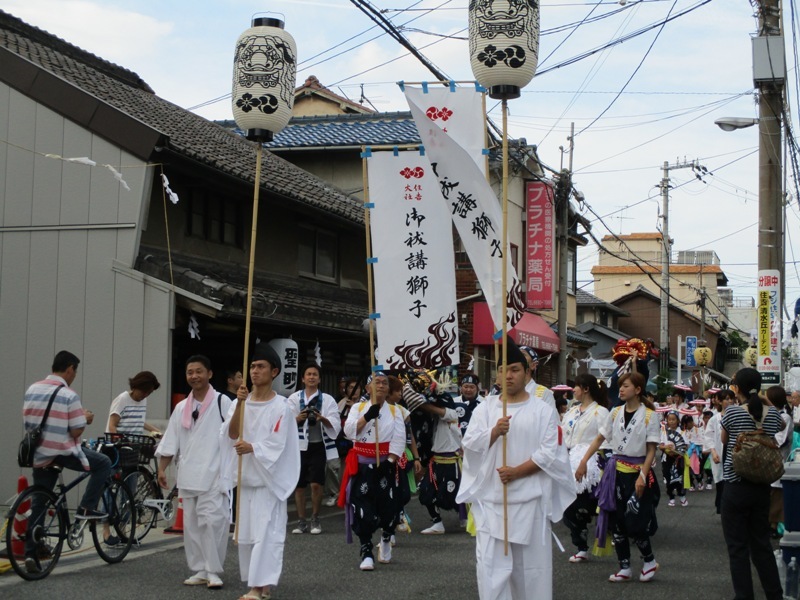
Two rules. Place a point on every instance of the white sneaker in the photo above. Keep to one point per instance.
(367, 564)
(214, 582)
(331, 501)
(435, 529)
(709, 486)
(385, 552)
(316, 527)
(393, 541)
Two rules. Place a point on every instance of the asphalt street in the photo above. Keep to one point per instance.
(688, 546)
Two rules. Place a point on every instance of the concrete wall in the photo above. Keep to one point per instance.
(66, 229)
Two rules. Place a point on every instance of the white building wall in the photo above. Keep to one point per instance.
(68, 238)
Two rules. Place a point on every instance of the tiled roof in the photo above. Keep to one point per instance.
(187, 134)
(582, 297)
(291, 301)
(313, 87)
(574, 336)
(394, 128)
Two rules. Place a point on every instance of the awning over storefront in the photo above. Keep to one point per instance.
(532, 330)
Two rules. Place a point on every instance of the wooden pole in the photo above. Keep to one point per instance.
(503, 310)
(248, 314)
(370, 303)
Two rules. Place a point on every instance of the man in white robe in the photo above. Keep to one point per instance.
(196, 420)
(539, 483)
(270, 454)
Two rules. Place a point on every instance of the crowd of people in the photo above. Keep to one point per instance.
(532, 460)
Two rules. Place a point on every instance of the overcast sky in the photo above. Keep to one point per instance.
(677, 80)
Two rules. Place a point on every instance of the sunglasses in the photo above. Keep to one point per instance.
(195, 414)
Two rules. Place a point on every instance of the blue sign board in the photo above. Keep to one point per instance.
(691, 344)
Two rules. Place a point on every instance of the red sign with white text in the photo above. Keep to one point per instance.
(540, 246)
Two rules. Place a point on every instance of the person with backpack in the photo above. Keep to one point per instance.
(745, 503)
(777, 395)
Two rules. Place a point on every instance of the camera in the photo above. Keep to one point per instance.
(312, 415)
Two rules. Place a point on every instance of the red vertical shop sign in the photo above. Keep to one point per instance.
(540, 246)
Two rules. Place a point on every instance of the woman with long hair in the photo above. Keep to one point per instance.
(633, 431)
(581, 424)
(745, 505)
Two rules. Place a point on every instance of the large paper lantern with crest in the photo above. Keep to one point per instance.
(504, 44)
(264, 68)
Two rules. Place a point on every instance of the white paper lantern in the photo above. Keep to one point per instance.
(504, 44)
(285, 383)
(264, 68)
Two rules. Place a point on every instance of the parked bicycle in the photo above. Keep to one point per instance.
(140, 473)
(40, 521)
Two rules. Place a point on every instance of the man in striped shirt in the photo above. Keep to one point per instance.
(61, 436)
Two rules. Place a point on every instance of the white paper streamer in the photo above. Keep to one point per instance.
(118, 177)
(194, 328)
(170, 194)
(318, 354)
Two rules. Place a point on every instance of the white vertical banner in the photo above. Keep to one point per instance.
(286, 349)
(412, 244)
(470, 200)
(769, 326)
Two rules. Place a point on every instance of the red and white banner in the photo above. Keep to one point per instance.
(455, 150)
(540, 245)
(415, 284)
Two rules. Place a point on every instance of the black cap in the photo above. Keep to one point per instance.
(267, 353)
(514, 354)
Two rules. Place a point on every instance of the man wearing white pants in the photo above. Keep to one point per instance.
(191, 438)
(538, 481)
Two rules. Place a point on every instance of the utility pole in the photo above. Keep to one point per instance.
(666, 252)
(564, 188)
(702, 312)
(770, 185)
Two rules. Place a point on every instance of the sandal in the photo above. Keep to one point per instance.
(647, 575)
(248, 596)
(620, 576)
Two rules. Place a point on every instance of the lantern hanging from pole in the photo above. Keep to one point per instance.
(702, 354)
(504, 44)
(264, 68)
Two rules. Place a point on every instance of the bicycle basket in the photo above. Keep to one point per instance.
(123, 452)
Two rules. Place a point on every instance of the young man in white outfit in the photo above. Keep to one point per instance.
(191, 439)
(270, 466)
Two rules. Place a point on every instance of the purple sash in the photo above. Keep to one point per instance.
(605, 494)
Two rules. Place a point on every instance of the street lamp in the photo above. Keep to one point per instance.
(734, 123)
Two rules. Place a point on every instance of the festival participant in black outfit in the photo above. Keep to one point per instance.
(745, 505)
(581, 424)
(628, 492)
(370, 485)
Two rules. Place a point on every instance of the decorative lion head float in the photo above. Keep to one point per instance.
(422, 381)
(624, 349)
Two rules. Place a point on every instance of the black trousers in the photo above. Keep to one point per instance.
(745, 524)
(577, 517)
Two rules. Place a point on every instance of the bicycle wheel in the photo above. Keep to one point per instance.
(144, 487)
(35, 533)
(114, 536)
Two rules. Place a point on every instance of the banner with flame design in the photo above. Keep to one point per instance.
(415, 285)
(458, 164)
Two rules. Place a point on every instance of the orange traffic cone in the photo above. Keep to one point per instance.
(177, 526)
(20, 520)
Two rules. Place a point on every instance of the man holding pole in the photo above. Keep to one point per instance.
(194, 423)
(269, 447)
(370, 484)
(538, 482)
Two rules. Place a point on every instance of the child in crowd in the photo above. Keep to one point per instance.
(674, 446)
